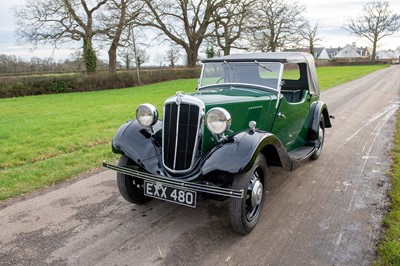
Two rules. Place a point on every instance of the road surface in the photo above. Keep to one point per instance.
(327, 212)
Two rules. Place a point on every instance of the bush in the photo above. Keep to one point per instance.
(62, 83)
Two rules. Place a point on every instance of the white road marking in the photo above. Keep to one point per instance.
(391, 109)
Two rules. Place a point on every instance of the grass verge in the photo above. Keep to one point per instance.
(332, 76)
(389, 248)
(50, 138)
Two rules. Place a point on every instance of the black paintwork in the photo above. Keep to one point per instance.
(234, 155)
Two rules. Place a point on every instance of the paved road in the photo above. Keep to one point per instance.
(327, 212)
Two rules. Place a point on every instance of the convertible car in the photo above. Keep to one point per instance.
(250, 111)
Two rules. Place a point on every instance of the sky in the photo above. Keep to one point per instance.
(331, 15)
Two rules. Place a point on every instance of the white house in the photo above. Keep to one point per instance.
(321, 53)
(349, 51)
(391, 55)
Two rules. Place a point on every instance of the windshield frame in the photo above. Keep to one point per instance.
(257, 63)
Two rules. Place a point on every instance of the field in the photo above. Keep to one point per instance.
(50, 138)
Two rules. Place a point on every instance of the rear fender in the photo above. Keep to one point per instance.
(319, 108)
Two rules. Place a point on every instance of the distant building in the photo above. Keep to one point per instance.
(392, 56)
(349, 51)
(320, 53)
(332, 52)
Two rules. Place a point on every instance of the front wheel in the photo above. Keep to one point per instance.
(245, 213)
(131, 188)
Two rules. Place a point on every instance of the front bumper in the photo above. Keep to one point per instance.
(215, 190)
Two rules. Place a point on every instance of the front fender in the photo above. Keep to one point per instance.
(138, 144)
(239, 154)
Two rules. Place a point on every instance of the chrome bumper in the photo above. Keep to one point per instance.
(176, 182)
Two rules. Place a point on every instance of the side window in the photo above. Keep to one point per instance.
(293, 84)
(291, 71)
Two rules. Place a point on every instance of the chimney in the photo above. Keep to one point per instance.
(353, 44)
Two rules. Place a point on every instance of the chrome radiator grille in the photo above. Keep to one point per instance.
(180, 135)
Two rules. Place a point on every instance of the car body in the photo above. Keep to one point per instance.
(250, 111)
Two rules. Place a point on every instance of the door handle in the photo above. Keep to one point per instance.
(281, 115)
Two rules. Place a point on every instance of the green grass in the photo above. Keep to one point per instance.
(331, 76)
(50, 138)
(389, 248)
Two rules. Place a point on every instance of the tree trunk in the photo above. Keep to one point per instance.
(227, 49)
(312, 48)
(112, 58)
(89, 56)
(191, 58)
(127, 62)
(136, 59)
(373, 56)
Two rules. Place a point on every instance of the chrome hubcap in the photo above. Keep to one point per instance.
(321, 134)
(256, 194)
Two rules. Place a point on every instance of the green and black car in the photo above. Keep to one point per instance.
(250, 111)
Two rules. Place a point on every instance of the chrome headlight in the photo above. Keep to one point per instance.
(218, 120)
(146, 115)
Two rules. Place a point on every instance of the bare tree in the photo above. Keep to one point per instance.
(375, 22)
(141, 57)
(309, 33)
(120, 15)
(127, 56)
(230, 21)
(77, 58)
(131, 44)
(276, 24)
(12, 64)
(184, 22)
(173, 55)
(57, 21)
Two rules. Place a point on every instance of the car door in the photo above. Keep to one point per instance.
(291, 121)
(292, 114)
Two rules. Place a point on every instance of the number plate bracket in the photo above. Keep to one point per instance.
(170, 193)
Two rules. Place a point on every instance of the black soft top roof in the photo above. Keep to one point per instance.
(282, 57)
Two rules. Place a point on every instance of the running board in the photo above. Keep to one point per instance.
(301, 153)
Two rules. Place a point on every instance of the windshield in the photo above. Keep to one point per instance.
(266, 74)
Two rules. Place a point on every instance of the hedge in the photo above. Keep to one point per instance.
(65, 83)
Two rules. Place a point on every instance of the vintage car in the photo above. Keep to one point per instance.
(250, 111)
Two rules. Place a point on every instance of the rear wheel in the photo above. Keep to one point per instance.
(321, 138)
(245, 212)
(131, 188)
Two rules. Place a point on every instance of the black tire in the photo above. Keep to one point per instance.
(321, 138)
(245, 213)
(131, 188)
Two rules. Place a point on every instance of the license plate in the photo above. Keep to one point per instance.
(173, 194)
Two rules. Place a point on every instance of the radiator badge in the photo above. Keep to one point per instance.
(179, 97)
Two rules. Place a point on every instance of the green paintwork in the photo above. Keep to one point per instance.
(292, 126)
(244, 105)
(247, 104)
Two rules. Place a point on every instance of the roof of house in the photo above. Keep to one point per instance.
(347, 51)
(387, 54)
